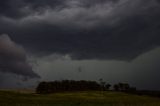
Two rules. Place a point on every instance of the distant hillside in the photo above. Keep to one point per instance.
(85, 98)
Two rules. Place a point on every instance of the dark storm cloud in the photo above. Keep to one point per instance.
(97, 29)
(21, 8)
(10, 8)
(13, 58)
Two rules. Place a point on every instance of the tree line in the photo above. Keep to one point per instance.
(82, 85)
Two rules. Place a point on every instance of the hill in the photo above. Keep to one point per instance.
(86, 98)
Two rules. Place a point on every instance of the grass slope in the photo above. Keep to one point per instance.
(14, 98)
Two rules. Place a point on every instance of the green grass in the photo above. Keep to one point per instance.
(91, 98)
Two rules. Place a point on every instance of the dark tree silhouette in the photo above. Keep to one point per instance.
(116, 87)
(123, 86)
(72, 85)
(42, 87)
(102, 83)
(67, 85)
(107, 86)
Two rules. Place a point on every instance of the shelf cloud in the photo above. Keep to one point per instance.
(13, 58)
(101, 29)
(74, 31)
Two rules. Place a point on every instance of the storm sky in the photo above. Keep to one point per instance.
(117, 40)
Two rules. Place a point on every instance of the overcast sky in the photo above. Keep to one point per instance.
(117, 40)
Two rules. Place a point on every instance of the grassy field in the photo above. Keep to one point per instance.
(16, 98)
